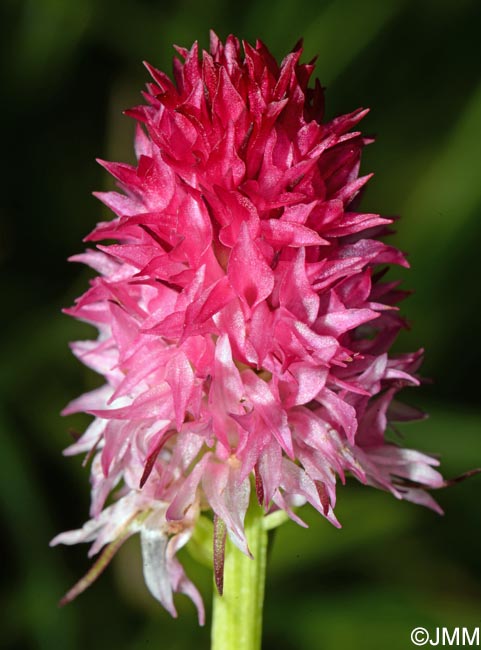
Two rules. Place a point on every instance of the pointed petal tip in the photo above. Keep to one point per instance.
(64, 601)
(462, 477)
(299, 45)
(334, 520)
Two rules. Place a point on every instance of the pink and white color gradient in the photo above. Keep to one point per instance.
(244, 324)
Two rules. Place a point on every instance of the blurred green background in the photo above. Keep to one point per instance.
(69, 68)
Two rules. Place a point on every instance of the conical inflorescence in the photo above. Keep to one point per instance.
(244, 321)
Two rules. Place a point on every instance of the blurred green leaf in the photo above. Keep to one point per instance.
(453, 433)
(449, 189)
(26, 516)
(367, 517)
(336, 37)
(48, 33)
(200, 544)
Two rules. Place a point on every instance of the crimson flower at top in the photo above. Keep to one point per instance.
(244, 324)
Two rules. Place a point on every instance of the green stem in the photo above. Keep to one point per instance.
(237, 615)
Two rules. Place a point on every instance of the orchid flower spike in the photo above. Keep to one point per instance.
(244, 321)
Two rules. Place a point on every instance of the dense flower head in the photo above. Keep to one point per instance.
(244, 318)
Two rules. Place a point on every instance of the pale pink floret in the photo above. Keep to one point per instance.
(244, 324)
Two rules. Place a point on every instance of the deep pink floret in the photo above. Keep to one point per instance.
(244, 323)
